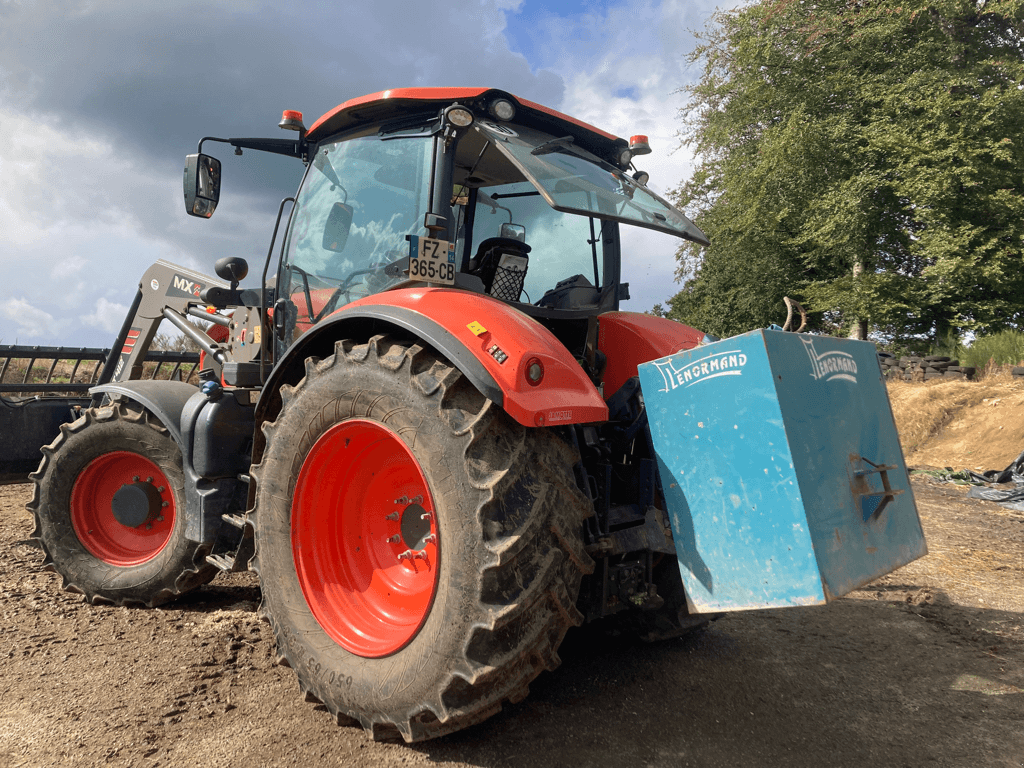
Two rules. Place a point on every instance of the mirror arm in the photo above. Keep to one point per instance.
(211, 138)
(289, 147)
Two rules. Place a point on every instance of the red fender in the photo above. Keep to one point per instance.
(506, 342)
(630, 338)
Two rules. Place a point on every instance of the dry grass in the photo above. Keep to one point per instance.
(923, 409)
(968, 562)
(960, 424)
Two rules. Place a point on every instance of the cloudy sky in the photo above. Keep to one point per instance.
(100, 101)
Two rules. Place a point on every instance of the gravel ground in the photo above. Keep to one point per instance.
(925, 667)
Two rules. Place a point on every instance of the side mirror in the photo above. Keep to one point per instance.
(513, 232)
(202, 185)
(232, 268)
(337, 228)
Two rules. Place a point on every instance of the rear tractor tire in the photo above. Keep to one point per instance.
(109, 507)
(418, 550)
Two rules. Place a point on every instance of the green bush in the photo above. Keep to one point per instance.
(1003, 348)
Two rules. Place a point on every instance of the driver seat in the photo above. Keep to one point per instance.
(501, 263)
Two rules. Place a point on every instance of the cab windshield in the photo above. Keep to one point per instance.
(533, 220)
(359, 201)
(573, 180)
(556, 247)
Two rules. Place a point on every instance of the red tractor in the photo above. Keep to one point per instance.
(424, 430)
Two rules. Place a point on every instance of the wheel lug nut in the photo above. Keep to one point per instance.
(149, 479)
(135, 479)
(159, 518)
(392, 516)
(417, 500)
(407, 555)
(429, 539)
(394, 539)
(161, 489)
(149, 526)
(403, 500)
(165, 504)
(426, 516)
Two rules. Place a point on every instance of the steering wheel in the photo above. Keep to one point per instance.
(332, 302)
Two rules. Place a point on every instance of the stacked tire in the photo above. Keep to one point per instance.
(931, 367)
(889, 364)
(953, 370)
(910, 368)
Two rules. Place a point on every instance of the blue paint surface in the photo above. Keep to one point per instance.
(765, 444)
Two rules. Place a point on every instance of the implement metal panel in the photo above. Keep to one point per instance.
(781, 468)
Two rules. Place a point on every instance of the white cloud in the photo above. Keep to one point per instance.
(82, 221)
(69, 266)
(28, 322)
(53, 176)
(67, 202)
(100, 102)
(623, 68)
(108, 316)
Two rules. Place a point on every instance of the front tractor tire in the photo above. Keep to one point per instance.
(109, 507)
(419, 551)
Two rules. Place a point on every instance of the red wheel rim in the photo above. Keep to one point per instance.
(365, 538)
(93, 519)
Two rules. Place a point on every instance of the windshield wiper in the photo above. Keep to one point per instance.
(555, 145)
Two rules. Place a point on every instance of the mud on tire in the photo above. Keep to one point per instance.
(92, 460)
(503, 569)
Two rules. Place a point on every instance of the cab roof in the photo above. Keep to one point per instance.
(398, 102)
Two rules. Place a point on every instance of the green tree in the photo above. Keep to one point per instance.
(863, 156)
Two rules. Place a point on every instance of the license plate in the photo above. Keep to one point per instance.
(432, 260)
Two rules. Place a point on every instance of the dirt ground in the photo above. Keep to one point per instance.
(924, 667)
(960, 424)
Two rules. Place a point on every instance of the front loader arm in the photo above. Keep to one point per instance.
(164, 286)
(173, 293)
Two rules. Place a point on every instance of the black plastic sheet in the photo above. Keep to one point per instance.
(1012, 498)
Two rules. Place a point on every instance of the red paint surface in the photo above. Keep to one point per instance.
(631, 338)
(370, 600)
(441, 95)
(92, 516)
(318, 298)
(565, 396)
(218, 334)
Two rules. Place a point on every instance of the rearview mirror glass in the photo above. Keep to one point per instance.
(202, 185)
(337, 228)
(513, 231)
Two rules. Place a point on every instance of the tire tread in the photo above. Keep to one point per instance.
(200, 572)
(520, 620)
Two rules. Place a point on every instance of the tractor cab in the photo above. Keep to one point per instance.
(467, 189)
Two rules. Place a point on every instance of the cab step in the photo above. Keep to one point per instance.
(232, 562)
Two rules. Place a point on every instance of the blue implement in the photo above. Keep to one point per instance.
(781, 468)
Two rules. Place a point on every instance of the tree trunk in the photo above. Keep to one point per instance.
(858, 325)
(944, 335)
